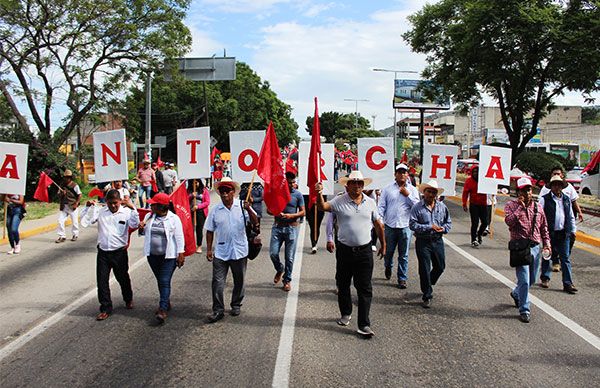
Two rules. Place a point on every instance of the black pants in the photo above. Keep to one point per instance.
(432, 262)
(200, 219)
(238, 271)
(354, 263)
(479, 218)
(118, 261)
(310, 218)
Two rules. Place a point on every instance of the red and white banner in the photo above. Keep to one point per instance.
(439, 163)
(13, 168)
(193, 153)
(245, 148)
(110, 156)
(376, 160)
(327, 153)
(494, 168)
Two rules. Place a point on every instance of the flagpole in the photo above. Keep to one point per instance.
(491, 218)
(194, 188)
(250, 187)
(5, 215)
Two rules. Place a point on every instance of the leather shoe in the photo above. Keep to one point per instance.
(287, 287)
(426, 304)
(525, 318)
(277, 277)
(214, 317)
(161, 316)
(570, 289)
(545, 284)
(129, 305)
(235, 312)
(388, 273)
(402, 284)
(102, 316)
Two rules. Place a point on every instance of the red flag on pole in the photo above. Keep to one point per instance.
(404, 157)
(96, 192)
(41, 192)
(315, 173)
(215, 151)
(270, 168)
(159, 162)
(181, 204)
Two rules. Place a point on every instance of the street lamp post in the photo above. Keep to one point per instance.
(395, 78)
(355, 109)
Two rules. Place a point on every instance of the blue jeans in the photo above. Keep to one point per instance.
(289, 236)
(13, 220)
(147, 190)
(397, 237)
(163, 271)
(432, 262)
(561, 249)
(526, 275)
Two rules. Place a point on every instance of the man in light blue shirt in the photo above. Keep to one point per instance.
(394, 206)
(226, 225)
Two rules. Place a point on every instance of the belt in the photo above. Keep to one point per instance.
(116, 250)
(295, 223)
(355, 249)
(432, 237)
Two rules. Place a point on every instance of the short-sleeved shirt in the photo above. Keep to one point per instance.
(295, 203)
(169, 176)
(569, 191)
(354, 221)
(228, 225)
(146, 176)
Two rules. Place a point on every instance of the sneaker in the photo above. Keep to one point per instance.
(74, 238)
(525, 318)
(474, 244)
(545, 283)
(11, 251)
(426, 304)
(402, 284)
(365, 332)
(17, 249)
(199, 250)
(313, 250)
(514, 298)
(60, 240)
(344, 320)
(286, 287)
(388, 273)
(486, 232)
(277, 277)
(556, 267)
(161, 316)
(373, 248)
(214, 317)
(102, 316)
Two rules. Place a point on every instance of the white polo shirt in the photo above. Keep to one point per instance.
(354, 221)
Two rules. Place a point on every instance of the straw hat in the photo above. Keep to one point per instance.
(68, 173)
(355, 176)
(227, 181)
(557, 178)
(432, 184)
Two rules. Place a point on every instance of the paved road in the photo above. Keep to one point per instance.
(471, 336)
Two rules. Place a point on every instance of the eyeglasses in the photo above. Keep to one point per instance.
(225, 190)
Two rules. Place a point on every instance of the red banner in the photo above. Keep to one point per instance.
(270, 168)
(41, 192)
(181, 204)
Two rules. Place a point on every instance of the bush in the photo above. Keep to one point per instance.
(538, 164)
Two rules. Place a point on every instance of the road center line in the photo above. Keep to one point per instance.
(11, 347)
(557, 315)
(281, 376)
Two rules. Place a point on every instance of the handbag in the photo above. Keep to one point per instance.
(520, 249)
(253, 237)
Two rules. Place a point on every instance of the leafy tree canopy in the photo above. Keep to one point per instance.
(247, 103)
(336, 126)
(590, 115)
(80, 52)
(522, 52)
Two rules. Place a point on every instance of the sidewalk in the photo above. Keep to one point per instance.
(29, 228)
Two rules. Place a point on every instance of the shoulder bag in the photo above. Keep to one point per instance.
(253, 236)
(520, 249)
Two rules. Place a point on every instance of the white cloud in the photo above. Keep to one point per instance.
(243, 6)
(315, 9)
(203, 45)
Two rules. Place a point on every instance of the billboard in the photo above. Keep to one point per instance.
(408, 94)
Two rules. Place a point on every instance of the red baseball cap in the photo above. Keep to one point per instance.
(160, 198)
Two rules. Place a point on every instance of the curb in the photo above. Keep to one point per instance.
(581, 237)
(35, 231)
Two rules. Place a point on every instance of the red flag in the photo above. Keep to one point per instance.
(289, 166)
(96, 192)
(315, 173)
(41, 192)
(154, 186)
(181, 204)
(270, 168)
(215, 152)
(159, 162)
(404, 157)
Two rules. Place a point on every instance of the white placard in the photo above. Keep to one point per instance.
(245, 148)
(193, 153)
(13, 168)
(110, 156)
(494, 168)
(439, 163)
(376, 160)
(326, 167)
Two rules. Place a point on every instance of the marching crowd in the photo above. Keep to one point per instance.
(358, 217)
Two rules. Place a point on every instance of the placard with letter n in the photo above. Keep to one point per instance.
(110, 156)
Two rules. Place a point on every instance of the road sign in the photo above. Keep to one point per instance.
(161, 141)
(203, 69)
(213, 141)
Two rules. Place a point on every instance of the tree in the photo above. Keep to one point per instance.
(590, 115)
(335, 125)
(247, 103)
(81, 52)
(521, 52)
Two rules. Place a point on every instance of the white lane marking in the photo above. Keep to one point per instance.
(281, 376)
(560, 317)
(9, 348)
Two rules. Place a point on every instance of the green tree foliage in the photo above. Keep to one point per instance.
(247, 103)
(538, 164)
(6, 115)
(590, 115)
(522, 52)
(80, 52)
(341, 126)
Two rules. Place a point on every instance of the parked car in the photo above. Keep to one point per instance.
(590, 177)
(464, 165)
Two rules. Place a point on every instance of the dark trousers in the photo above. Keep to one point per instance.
(310, 219)
(354, 263)
(200, 219)
(432, 261)
(163, 271)
(118, 262)
(479, 218)
(238, 271)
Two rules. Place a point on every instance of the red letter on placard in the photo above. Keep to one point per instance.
(107, 151)
(495, 169)
(9, 167)
(253, 160)
(193, 144)
(369, 157)
(435, 165)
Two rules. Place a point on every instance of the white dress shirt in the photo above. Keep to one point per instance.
(394, 207)
(230, 242)
(113, 228)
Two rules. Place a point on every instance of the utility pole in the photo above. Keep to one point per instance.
(148, 116)
(373, 122)
(356, 101)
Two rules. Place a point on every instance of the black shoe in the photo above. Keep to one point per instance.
(402, 284)
(426, 304)
(525, 318)
(365, 332)
(388, 273)
(570, 289)
(235, 312)
(514, 298)
(214, 317)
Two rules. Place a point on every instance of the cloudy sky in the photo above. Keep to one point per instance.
(308, 48)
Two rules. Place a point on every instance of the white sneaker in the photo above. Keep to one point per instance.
(313, 250)
(475, 244)
(12, 250)
(373, 248)
(17, 249)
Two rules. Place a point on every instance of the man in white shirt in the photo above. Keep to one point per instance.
(170, 177)
(114, 221)
(394, 206)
